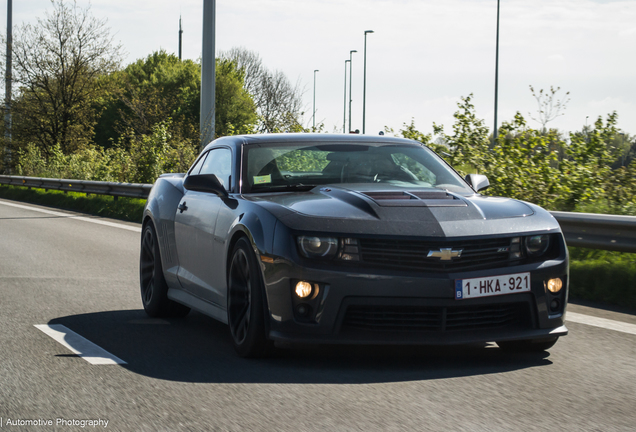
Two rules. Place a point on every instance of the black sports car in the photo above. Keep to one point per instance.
(349, 239)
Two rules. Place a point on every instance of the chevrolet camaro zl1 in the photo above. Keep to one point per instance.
(320, 238)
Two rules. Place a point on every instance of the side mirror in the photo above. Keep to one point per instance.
(205, 183)
(477, 181)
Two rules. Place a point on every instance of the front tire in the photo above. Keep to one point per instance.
(154, 289)
(532, 345)
(245, 304)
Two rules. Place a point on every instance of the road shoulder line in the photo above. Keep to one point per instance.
(601, 322)
(71, 216)
(92, 353)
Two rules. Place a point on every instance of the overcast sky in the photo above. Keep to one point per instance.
(423, 56)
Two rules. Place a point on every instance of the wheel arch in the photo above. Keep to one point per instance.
(238, 234)
(146, 220)
(250, 226)
(242, 231)
(258, 226)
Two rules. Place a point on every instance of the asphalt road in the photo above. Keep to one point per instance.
(57, 269)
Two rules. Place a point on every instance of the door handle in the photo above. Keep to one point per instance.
(182, 207)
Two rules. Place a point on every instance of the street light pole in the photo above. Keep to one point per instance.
(8, 81)
(180, 38)
(364, 87)
(350, 84)
(315, 99)
(344, 115)
(495, 130)
(208, 74)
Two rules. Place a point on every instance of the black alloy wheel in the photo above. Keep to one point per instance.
(154, 289)
(532, 345)
(245, 304)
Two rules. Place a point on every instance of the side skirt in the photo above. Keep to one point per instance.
(198, 304)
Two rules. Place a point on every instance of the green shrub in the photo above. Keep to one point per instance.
(137, 159)
(604, 281)
(603, 276)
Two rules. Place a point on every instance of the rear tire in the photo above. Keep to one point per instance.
(154, 289)
(245, 303)
(532, 345)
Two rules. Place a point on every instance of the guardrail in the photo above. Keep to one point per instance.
(589, 230)
(131, 190)
(598, 231)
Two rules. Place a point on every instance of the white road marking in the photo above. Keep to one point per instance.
(84, 348)
(601, 322)
(68, 216)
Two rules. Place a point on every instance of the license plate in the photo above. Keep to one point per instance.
(492, 286)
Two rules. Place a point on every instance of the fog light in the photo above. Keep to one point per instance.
(555, 285)
(555, 305)
(303, 289)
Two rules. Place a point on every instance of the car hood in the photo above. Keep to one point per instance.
(395, 211)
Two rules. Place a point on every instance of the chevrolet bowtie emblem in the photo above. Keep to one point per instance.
(445, 254)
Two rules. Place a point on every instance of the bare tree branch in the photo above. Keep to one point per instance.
(549, 107)
(278, 102)
(57, 63)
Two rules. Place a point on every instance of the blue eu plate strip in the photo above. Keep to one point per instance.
(458, 289)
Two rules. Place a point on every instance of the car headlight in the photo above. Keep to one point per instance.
(318, 247)
(536, 245)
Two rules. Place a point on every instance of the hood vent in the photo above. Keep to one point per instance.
(415, 199)
(384, 196)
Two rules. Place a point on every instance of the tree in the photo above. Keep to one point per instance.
(523, 165)
(410, 132)
(620, 190)
(57, 63)
(549, 107)
(467, 149)
(235, 111)
(163, 88)
(469, 143)
(587, 163)
(278, 102)
(622, 148)
(149, 91)
(250, 63)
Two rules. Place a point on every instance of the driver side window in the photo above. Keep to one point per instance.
(219, 163)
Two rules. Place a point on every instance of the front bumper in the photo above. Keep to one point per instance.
(384, 307)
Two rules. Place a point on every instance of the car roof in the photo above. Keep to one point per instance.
(237, 140)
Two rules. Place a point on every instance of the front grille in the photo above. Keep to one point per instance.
(412, 254)
(437, 319)
(393, 318)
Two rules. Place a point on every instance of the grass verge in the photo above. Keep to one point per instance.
(603, 276)
(128, 209)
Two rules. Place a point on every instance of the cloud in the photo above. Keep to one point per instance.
(609, 104)
(628, 32)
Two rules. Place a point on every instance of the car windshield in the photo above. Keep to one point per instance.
(280, 167)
